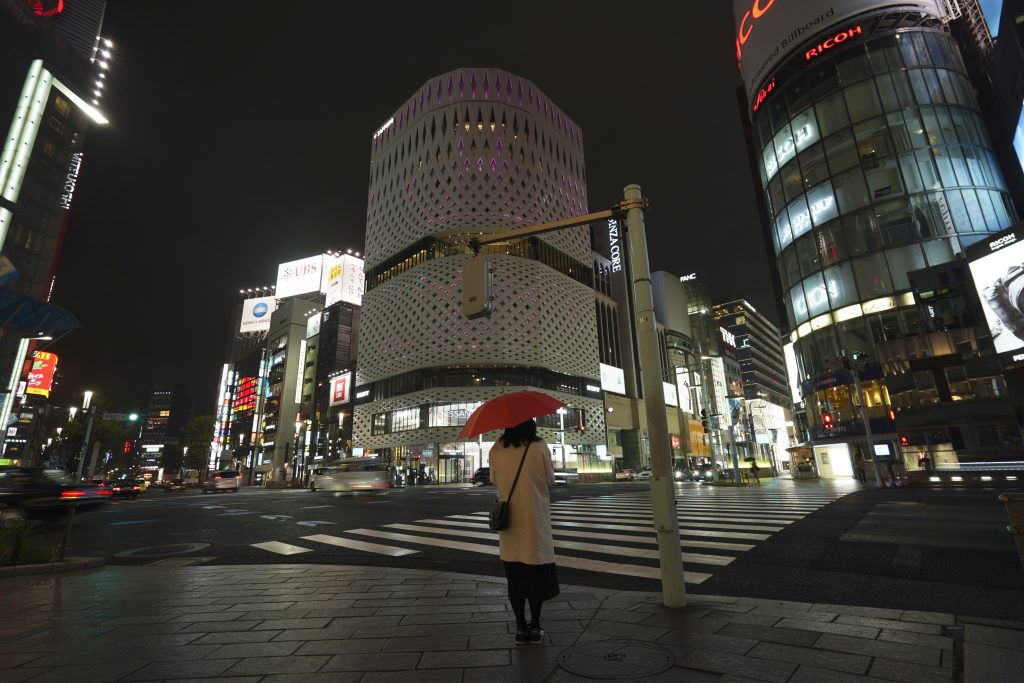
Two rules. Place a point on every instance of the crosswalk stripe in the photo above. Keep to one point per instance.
(560, 560)
(647, 527)
(360, 545)
(725, 518)
(682, 521)
(708, 508)
(281, 548)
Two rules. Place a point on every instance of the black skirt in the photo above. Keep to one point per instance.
(531, 581)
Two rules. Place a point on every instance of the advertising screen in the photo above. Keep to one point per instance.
(40, 377)
(340, 388)
(1018, 139)
(997, 266)
(343, 280)
(299, 277)
(256, 314)
(613, 379)
(670, 394)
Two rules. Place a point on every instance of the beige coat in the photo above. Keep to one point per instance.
(528, 536)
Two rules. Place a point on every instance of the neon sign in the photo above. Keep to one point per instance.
(46, 9)
(837, 39)
(762, 94)
(614, 250)
(755, 12)
(380, 131)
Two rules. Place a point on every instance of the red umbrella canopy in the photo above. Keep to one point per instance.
(508, 410)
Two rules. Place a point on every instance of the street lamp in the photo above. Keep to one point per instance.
(561, 433)
(71, 413)
(59, 430)
(91, 412)
(87, 401)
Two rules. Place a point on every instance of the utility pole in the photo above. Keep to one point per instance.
(476, 303)
(856, 363)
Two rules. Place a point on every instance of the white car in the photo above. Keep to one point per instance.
(221, 481)
(643, 475)
(565, 478)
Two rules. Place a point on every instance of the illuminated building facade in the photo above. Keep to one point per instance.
(874, 162)
(474, 151)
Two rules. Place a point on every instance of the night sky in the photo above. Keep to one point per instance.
(240, 138)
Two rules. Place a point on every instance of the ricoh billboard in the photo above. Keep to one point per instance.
(997, 266)
(299, 277)
(256, 314)
(768, 31)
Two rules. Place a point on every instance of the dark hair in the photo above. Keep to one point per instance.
(520, 435)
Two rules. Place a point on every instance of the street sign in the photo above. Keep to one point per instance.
(116, 417)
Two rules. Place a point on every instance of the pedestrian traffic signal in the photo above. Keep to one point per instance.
(826, 419)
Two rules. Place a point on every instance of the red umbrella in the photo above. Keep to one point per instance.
(508, 410)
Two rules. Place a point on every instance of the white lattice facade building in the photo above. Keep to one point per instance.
(474, 151)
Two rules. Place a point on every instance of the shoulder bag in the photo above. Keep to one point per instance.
(499, 513)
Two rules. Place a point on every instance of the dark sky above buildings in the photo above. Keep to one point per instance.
(240, 138)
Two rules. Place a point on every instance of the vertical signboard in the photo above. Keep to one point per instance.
(40, 377)
(340, 388)
(343, 280)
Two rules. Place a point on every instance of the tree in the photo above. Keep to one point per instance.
(196, 435)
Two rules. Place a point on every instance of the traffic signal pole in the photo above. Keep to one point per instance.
(867, 422)
(666, 519)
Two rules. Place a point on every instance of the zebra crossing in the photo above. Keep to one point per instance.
(610, 533)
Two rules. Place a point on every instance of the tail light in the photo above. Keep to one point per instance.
(105, 492)
(217, 476)
(72, 493)
(136, 488)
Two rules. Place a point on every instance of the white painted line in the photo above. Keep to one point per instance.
(689, 522)
(625, 527)
(281, 548)
(314, 507)
(390, 550)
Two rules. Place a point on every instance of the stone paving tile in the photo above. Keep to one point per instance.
(235, 637)
(203, 668)
(233, 679)
(996, 637)
(343, 647)
(427, 619)
(835, 661)
(626, 631)
(715, 661)
(239, 650)
(910, 638)
(193, 617)
(464, 659)
(419, 675)
(13, 659)
(855, 610)
(679, 674)
(911, 654)
(929, 617)
(334, 677)
(527, 664)
(373, 662)
(17, 675)
(723, 644)
(393, 632)
(285, 624)
(989, 664)
(88, 673)
(828, 627)
(219, 626)
(810, 674)
(784, 636)
(260, 606)
(908, 673)
(480, 628)
(277, 665)
(491, 641)
(912, 626)
(427, 644)
(329, 633)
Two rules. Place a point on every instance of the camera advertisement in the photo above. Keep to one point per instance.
(997, 266)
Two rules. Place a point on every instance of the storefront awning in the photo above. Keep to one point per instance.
(21, 312)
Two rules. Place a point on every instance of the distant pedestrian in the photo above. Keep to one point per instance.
(754, 470)
(526, 546)
(924, 462)
(858, 467)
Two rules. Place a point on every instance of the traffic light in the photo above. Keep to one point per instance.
(704, 419)
(826, 419)
(904, 440)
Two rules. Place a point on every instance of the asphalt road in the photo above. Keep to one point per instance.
(930, 549)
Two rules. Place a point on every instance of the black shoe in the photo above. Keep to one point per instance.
(536, 635)
(522, 636)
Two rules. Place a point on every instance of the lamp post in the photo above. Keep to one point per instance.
(71, 413)
(561, 434)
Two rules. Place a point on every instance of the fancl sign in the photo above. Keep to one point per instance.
(615, 250)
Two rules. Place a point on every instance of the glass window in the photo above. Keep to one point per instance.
(862, 101)
(911, 176)
(894, 222)
(792, 180)
(816, 295)
(956, 155)
(907, 49)
(777, 113)
(798, 93)
(945, 165)
(938, 251)
(915, 129)
(936, 134)
(841, 151)
(860, 233)
(853, 66)
(805, 129)
(886, 90)
(830, 243)
(822, 204)
(785, 236)
(785, 147)
(824, 78)
(929, 173)
(872, 139)
(872, 276)
(812, 164)
(931, 81)
(841, 288)
(884, 55)
(900, 134)
(938, 54)
(771, 165)
(850, 191)
(928, 212)
(958, 210)
(902, 260)
(919, 86)
(799, 304)
(997, 177)
(776, 199)
(764, 128)
(975, 166)
(790, 268)
(974, 210)
(807, 254)
(949, 92)
(991, 218)
(921, 48)
(884, 179)
(963, 133)
(1000, 208)
(901, 82)
(799, 217)
(832, 114)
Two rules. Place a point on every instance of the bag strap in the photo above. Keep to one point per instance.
(516, 480)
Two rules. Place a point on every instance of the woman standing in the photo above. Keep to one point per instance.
(526, 546)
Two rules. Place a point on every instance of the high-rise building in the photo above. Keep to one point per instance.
(758, 349)
(474, 151)
(874, 162)
(170, 407)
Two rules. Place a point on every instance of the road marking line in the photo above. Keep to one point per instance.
(623, 527)
(314, 507)
(313, 522)
(723, 518)
(391, 550)
(281, 548)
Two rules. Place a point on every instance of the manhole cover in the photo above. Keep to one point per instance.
(611, 659)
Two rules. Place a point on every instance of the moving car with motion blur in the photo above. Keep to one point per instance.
(353, 474)
(32, 489)
(125, 488)
(482, 477)
(566, 478)
(625, 475)
(225, 480)
(176, 485)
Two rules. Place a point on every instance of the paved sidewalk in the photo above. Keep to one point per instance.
(314, 623)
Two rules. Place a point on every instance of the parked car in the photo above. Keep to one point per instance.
(625, 475)
(175, 485)
(36, 489)
(565, 478)
(125, 488)
(225, 480)
(482, 477)
(643, 475)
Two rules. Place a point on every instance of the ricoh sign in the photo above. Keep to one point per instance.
(768, 31)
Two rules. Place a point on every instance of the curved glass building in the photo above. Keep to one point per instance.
(874, 162)
(475, 151)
